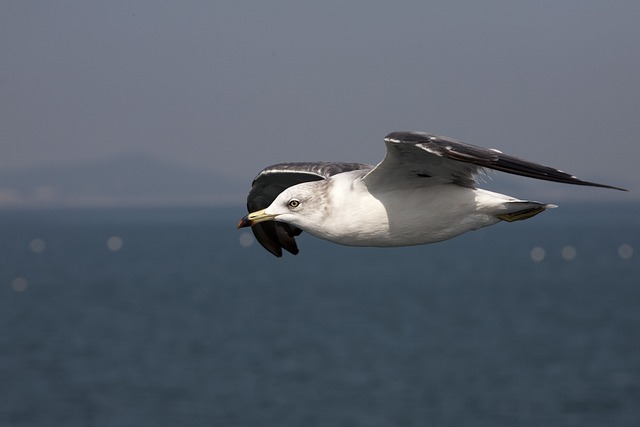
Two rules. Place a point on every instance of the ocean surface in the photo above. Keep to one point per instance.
(165, 317)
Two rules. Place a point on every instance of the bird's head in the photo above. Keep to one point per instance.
(300, 205)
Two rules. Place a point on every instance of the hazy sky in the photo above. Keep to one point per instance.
(231, 87)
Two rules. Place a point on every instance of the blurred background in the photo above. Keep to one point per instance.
(140, 102)
(129, 136)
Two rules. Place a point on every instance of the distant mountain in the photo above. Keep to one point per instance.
(138, 180)
(133, 180)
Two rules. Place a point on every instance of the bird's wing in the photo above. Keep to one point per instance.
(270, 182)
(415, 155)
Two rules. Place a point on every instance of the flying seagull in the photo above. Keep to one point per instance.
(424, 191)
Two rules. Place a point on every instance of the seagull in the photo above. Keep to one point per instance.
(423, 191)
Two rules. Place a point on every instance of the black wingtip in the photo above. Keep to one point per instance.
(615, 188)
(275, 237)
(490, 158)
(577, 181)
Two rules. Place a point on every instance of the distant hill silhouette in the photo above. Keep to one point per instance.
(137, 180)
(126, 180)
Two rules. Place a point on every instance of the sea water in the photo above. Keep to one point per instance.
(163, 317)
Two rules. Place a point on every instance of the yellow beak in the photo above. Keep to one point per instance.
(254, 218)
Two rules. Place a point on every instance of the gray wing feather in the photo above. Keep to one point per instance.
(419, 154)
(271, 181)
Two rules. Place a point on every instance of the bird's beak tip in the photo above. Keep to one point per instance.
(254, 218)
(244, 222)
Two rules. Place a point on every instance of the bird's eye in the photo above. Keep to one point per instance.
(293, 203)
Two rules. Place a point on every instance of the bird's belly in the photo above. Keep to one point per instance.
(410, 217)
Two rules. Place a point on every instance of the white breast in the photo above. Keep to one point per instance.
(403, 217)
